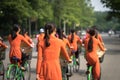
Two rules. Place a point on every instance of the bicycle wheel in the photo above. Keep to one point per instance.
(21, 76)
(2, 71)
(27, 72)
(77, 66)
(89, 74)
(11, 72)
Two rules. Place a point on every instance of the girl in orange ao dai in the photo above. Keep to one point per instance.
(91, 45)
(48, 64)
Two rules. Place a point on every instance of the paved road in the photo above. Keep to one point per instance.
(110, 66)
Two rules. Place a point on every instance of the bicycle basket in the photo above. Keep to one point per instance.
(27, 51)
(2, 54)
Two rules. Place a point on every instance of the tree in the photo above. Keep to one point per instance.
(114, 5)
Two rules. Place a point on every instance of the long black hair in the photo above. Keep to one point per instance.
(90, 42)
(24, 32)
(49, 28)
(14, 30)
(72, 36)
(60, 33)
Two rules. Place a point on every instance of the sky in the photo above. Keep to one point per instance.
(98, 6)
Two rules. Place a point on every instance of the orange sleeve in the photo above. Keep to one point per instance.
(68, 38)
(68, 44)
(2, 44)
(25, 40)
(79, 40)
(29, 39)
(39, 59)
(64, 51)
(100, 45)
(100, 38)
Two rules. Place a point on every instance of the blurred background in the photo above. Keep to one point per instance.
(67, 14)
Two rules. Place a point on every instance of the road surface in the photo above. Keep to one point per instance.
(110, 66)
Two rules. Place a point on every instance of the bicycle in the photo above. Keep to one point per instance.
(74, 67)
(26, 60)
(15, 72)
(89, 72)
(2, 68)
(65, 75)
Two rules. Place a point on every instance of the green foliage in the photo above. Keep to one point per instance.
(105, 25)
(38, 12)
(114, 5)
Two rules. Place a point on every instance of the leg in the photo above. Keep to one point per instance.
(77, 56)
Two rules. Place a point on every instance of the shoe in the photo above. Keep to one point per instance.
(77, 63)
(69, 74)
(22, 68)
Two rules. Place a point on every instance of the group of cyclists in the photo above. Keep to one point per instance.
(54, 48)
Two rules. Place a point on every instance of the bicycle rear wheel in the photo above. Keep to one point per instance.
(2, 71)
(27, 72)
(89, 73)
(77, 66)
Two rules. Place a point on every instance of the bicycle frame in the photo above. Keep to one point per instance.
(89, 72)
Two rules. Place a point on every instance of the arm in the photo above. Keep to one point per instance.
(68, 44)
(39, 60)
(29, 39)
(25, 40)
(79, 40)
(3, 45)
(64, 52)
(101, 46)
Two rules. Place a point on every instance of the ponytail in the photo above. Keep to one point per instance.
(49, 28)
(47, 44)
(59, 32)
(13, 35)
(72, 38)
(14, 31)
(90, 44)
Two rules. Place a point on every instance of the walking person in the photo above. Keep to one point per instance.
(48, 64)
(91, 45)
(40, 37)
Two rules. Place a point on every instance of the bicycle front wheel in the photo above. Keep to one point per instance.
(11, 72)
(2, 71)
(27, 72)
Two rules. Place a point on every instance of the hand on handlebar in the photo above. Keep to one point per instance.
(71, 47)
(32, 45)
(70, 61)
(37, 77)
